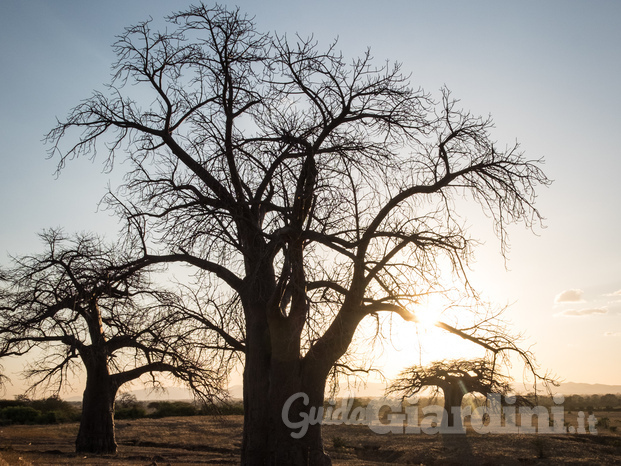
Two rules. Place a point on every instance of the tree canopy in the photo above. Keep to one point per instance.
(476, 375)
(84, 307)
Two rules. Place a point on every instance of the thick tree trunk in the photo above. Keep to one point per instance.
(453, 397)
(267, 437)
(274, 376)
(96, 433)
(255, 449)
(269, 385)
(296, 416)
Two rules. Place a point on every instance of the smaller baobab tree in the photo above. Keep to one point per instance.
(454, 378)
(457, 377)
(87, 305)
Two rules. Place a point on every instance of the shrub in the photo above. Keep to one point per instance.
(126, 400)
(7, 403)
(47, 411)
(20, 415)
(48, 417)
(134, 412)
(56, 409)
(53, 403)
(338, 442)
(603, 423)
(174, 408)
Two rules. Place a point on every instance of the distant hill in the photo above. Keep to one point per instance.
(573, 388)
(371, 390)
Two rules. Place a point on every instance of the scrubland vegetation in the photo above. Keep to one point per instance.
(53, 410)
(182, 432)
(203, 439)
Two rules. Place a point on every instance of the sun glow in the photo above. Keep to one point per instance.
(430, 310)
(428, 316)
(422, 342)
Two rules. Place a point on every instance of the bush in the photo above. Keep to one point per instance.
(603, 423)
(126, 400)
(134, 412)
(57, 409)
(53, 403)
(7, 403)
(47, 411)
(49, 417)
(127, 406)
(173, 408)
(338, 442)
(20, 415)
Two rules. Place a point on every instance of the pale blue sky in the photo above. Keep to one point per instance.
(548, 72)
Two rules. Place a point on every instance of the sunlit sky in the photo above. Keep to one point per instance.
(548, 73)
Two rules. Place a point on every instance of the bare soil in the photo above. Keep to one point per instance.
(217, 440)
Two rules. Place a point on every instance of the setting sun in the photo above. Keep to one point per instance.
(421, 341)
(428, 317)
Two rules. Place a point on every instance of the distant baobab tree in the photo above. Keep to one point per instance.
(82, 307)
(454, 378)
(313, 190)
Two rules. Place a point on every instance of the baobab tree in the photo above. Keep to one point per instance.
(312, 190)
(454, 378)
(81, 307)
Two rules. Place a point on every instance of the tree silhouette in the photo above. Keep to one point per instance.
(82, 307)
(454, 378)
(309, 190)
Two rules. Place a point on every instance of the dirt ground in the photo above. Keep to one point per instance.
(217, 440)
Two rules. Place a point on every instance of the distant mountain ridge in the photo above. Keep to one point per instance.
(574, 388)
(371, 390)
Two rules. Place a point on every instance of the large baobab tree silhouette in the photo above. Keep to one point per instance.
(79, 306)
(312, 190)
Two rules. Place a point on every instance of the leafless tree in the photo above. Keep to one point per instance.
(312, 190)
(81, 307)
(485, 375)
(454, 378)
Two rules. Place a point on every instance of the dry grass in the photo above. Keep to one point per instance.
(177, 440)
(217, 440)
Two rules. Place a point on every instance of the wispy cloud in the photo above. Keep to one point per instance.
(583, 312)
(616, 294)
(612, 334)
(569, 296)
